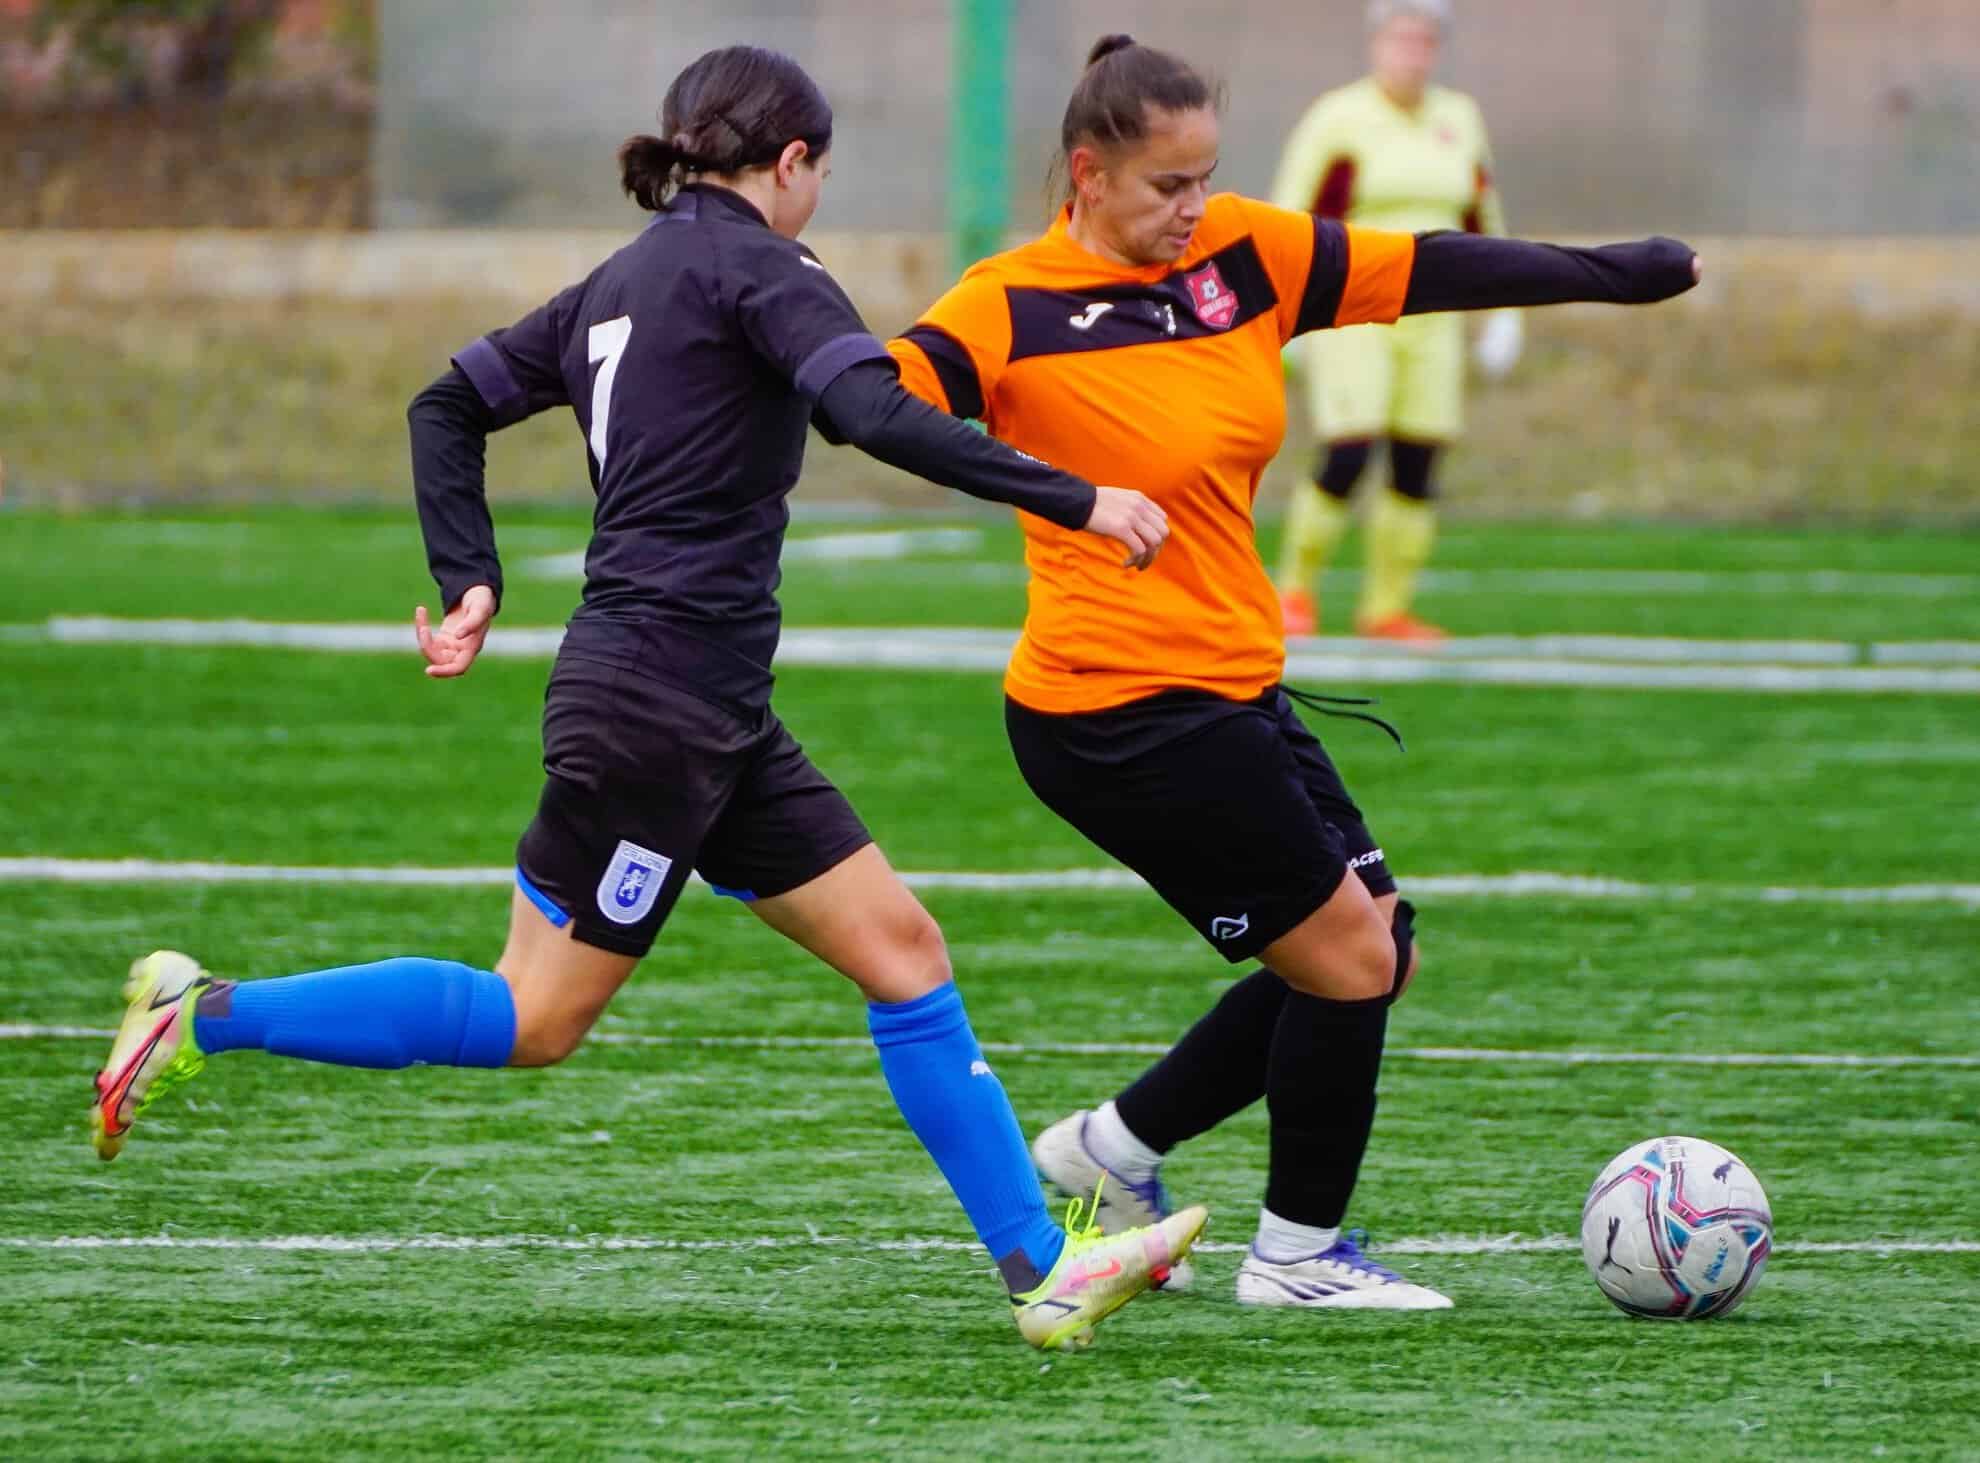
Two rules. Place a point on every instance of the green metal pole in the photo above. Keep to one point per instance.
(979, 129)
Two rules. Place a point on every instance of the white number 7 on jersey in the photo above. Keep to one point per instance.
(606, 342)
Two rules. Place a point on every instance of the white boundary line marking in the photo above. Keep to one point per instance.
(1511, 1244)
(1523, 885)
(1571, 1057)
(1493, 661)
(862, 546)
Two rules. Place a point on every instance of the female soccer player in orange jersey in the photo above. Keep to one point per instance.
(1139, 340)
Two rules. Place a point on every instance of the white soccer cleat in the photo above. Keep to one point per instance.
(154, 1051)
(1341, 1278)
(1098, 1274)
(1065, 1162)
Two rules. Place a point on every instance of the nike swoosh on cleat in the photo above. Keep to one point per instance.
(1087, 1277)
(121, 1086)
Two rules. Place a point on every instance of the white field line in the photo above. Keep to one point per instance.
(1634, 582)
(1850, 582)
(24, 1031)
(830, 548)
(1527, 885)
(1510, 1244)
(1657, 664)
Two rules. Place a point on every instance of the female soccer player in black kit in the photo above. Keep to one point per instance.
(693, 359)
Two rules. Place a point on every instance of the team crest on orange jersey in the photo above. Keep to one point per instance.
(1215, 305)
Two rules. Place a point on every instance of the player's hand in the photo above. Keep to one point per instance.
(1132, 520)
(451, 649)
(1499, 343)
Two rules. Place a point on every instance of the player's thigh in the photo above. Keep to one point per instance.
(559, 984)
(1327, 790)
(1344, 950)
(791, 846)
(637, 772)
(860, 919)
(1350, 376)
(1215, 820)
(1427, 404)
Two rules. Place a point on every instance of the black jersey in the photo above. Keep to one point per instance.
(692, 358)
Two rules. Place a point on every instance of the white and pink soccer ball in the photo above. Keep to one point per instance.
(1676, 1229)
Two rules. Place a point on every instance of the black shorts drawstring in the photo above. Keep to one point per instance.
(1330, 706)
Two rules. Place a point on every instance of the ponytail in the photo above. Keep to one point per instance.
(650, 170)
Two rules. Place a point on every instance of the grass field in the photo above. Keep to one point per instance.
(685, 1240)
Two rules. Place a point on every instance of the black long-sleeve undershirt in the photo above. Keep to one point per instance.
(865, 406)
(450, 425)
(1455, 271)
(868, 407)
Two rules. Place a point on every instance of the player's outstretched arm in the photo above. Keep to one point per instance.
(867, 406)
(1454, 271)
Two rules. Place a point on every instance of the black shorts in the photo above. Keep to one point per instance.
(1231, 810)
(648, 781)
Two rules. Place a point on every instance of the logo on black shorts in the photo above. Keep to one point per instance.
(1228, 927)
(631, 884)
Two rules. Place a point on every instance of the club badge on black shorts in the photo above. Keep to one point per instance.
(631, 883)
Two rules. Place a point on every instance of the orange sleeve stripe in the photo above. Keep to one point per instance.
(918, 373)
(1379, 265)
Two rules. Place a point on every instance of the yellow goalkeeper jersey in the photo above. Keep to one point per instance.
(1356, 155)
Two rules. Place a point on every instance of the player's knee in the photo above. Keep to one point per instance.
(910, 959)
(1367, 970)
(548, 1028)
(926, 951)
(1340, 466)
(545, 1038)
(1408, 959)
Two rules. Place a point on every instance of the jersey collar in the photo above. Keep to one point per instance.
(1060, 235)
(726, 199)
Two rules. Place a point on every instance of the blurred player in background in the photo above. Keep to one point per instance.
(1391, 151)
(1143, 332)
(693, 360)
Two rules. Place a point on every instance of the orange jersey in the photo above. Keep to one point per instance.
(1164, 378)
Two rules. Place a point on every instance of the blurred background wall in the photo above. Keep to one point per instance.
(1710, 116)
(236, 235)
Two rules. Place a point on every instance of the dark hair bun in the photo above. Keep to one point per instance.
(1106, 46)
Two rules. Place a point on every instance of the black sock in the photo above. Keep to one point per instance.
(1216, 1070)
(1320, 1087)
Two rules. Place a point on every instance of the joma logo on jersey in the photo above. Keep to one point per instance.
(631, 883)
(1216, 305)
(1093, 312)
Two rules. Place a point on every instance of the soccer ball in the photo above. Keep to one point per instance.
(1677, 1229)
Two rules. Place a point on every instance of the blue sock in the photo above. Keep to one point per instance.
(958, 1110)
(392, 1013)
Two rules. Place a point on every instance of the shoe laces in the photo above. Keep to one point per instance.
(1083, 1218)
(1346, 1252)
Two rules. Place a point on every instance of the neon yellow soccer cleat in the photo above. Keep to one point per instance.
(1098, 1274)
(154, 1051)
